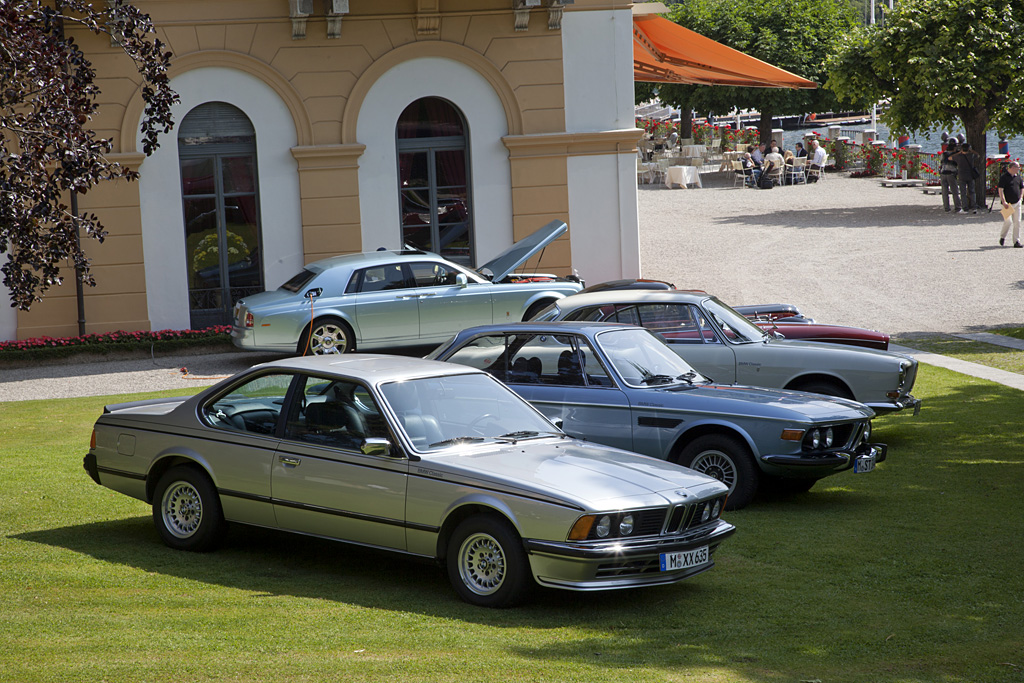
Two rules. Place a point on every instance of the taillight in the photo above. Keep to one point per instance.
(249, 320)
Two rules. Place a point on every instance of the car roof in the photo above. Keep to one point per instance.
(369, 367)
(625, 296)
(360, 259)
(555, 327)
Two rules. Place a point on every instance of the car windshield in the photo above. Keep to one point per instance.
(736, 328)
(643, 360)
(443, 412)
(551, 312)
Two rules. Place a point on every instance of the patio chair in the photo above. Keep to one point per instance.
(742, 175)
(644, 172)
(713, 150)
(817, 173)
(796, 170)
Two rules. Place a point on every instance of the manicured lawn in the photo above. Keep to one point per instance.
(1011, 360)
(911, 573)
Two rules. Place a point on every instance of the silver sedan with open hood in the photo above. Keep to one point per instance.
(388, 299)
(418, 457)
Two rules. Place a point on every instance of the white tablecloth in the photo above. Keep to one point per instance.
(682, 176)
(692, 151)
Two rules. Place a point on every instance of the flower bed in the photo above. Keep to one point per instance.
(39, 348)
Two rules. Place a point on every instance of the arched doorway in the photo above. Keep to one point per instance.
(217, 153)
(433, 179)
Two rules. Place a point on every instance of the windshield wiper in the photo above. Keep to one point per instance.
(528, 434)
(455, 440)
(657, 379)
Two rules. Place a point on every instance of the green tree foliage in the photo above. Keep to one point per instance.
(940, 63)
(795, 35)
(47, 151)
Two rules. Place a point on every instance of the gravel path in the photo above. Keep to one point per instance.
(844, 250)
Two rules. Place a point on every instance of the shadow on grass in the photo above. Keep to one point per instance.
(884, 576)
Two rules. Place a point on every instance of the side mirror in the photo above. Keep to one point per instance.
(558, 422)
(461, 280)
(376, 446)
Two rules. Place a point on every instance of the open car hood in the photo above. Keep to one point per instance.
(507, 261)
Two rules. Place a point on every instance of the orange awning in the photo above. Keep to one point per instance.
(665, 52)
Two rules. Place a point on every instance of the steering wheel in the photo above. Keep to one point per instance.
(477, 421)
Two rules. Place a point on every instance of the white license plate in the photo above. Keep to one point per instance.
(673, 562)
(864, 463)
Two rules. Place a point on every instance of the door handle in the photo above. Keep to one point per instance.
(408, 296)
(288, 461)
(424, 296)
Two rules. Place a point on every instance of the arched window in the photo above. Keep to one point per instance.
(433, 179)
(217, 149)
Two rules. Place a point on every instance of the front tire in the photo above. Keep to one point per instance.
(824, 387)
(729, 461)
(487, 564)
(327, 336)
(187, 510)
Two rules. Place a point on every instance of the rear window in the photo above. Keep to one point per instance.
(299, 281)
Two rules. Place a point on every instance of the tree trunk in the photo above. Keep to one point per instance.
(685, 123)
(974, 126)
(764, 127)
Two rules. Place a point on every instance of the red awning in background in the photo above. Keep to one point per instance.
(665, 52)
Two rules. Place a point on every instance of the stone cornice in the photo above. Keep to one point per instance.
(573, 144)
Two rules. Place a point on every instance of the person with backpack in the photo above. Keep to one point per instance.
(947, 176)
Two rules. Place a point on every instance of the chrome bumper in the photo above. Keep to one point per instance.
(904, 403)
(827, 463)
(621, 564)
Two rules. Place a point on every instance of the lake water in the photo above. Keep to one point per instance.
(929, 143)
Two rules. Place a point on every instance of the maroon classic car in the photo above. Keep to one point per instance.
(786, 319)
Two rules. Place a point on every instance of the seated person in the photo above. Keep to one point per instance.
(800, 151)
(757, 154)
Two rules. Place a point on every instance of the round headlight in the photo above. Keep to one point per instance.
(626, 525)
(717, 509)
(828, 438)
(603, 527)
(706, 515)
(815, 438)
(867, 432)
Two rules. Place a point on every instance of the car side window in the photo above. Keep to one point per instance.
(555, 360)
(427, 274)
(676, 323)
(380, 278)
(336, 414)
(254, 406)
(707, 332)
(485, 353)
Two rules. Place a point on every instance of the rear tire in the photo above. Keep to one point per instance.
(187, 510)
(327, 336)
(487, 564)
(729, 461)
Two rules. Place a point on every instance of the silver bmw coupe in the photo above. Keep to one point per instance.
(427, 459)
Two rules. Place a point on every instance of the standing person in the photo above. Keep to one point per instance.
(965, 170)
(1011, 188)
(947, 176)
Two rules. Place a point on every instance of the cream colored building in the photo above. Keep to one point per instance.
(308, 128)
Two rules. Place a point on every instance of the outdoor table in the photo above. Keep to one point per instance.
(682, 176)
(692, 151)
